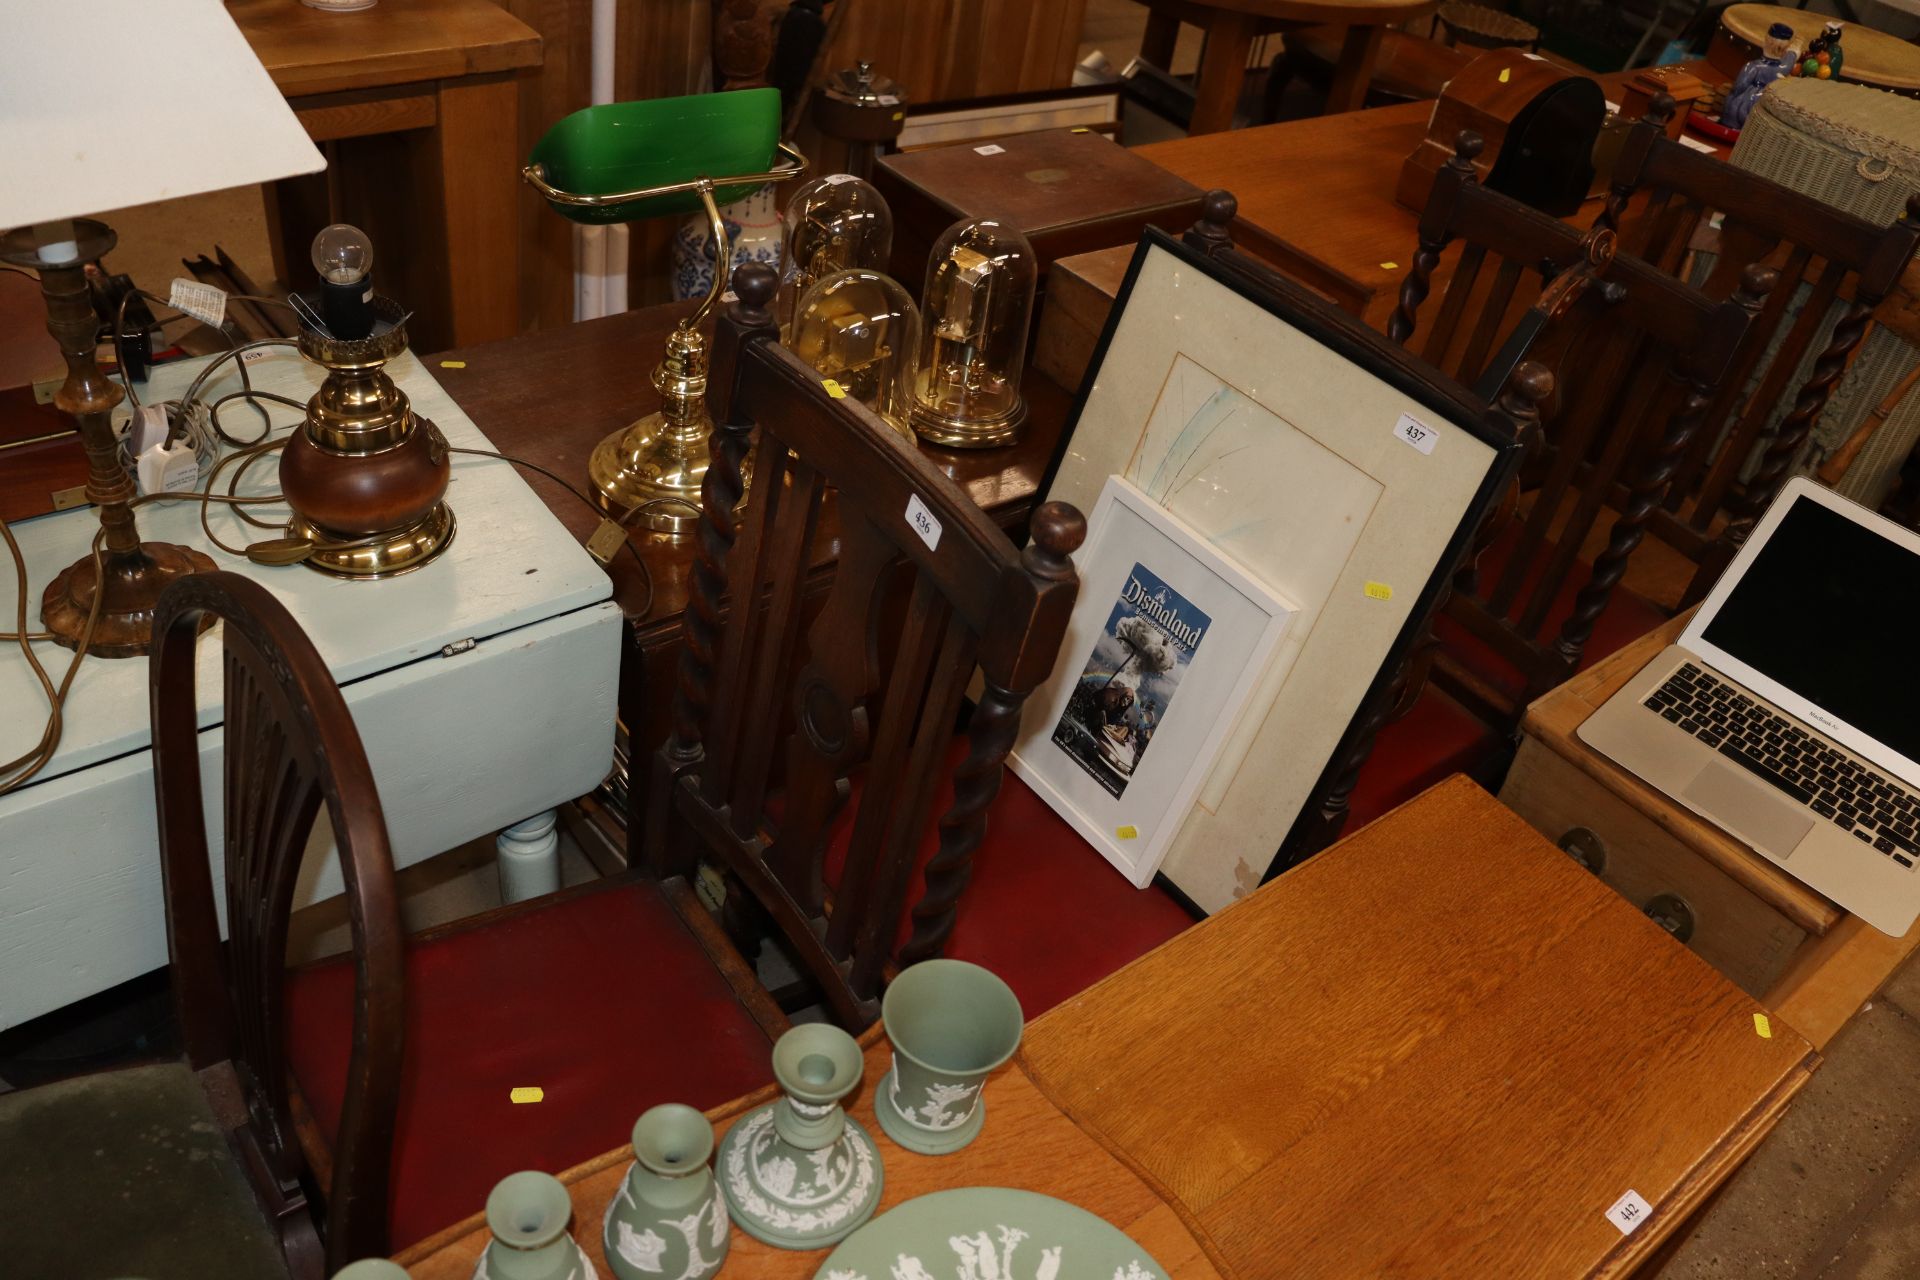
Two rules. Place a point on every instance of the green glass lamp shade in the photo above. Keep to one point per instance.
(632, 146)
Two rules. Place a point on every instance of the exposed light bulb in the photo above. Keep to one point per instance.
(342, 254)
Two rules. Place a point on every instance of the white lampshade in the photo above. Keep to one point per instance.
(109, 103)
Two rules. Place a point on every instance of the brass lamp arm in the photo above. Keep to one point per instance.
(535, 176)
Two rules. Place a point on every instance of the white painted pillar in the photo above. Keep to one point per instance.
(529, 858)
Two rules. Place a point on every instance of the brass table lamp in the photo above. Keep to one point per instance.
(628, 161)
(365, 475)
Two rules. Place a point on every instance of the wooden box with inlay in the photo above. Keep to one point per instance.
(1066, 190)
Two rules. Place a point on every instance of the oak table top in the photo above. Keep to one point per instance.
(1872, 57)
(1441, 1048)
(1364, 1069)
(1325, 187)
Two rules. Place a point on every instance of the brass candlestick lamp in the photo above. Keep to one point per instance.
(72, 153)
(628, 161)
(133, 573)
(364, 474)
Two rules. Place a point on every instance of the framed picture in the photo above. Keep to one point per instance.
(1334, 468)
(1167, 639)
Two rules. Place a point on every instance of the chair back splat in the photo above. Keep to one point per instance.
(1638, 359)
(927, 589)
(290, 747)
(1704, 218)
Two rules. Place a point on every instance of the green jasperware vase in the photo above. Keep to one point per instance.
(528, 1212)
(372, 1269)
(668, 1220)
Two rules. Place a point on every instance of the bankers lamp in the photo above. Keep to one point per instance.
(74, 148)
(629, 161)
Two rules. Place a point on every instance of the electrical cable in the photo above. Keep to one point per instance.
(17, 772)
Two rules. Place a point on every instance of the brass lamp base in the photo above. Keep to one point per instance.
(652, 462)
(133, 583)
(969, 433)
(385, 555)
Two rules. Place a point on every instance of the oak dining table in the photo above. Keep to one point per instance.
(1441, 1048)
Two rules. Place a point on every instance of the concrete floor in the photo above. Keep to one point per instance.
(1834, 1191)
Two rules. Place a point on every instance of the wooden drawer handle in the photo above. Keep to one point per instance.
(1585, 848)
(1671, 912)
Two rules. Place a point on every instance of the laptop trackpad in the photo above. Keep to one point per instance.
(1750, 809)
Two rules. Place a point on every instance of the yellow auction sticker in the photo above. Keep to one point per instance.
(527, 1093)
(834, 389)
(1761, 1027)
(453, 364)
(1378, 591)
(1127, 833)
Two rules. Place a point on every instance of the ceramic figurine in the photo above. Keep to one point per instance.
(800, 1173)
(667, 1221)
(1823, 58)
(1756, 76)
(527, 1212)
(755, 233)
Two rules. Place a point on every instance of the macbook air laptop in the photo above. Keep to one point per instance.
(1789, 712)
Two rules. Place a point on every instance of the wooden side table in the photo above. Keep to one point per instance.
(1231, 26)
(417, 106)
(1781, 942)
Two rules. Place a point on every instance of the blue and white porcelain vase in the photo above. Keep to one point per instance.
(755, 233)
(668, 1221)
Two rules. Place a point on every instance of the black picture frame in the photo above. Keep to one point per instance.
(1320, 320)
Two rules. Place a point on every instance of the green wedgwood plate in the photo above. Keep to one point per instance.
(625, 146)
(977, 1232)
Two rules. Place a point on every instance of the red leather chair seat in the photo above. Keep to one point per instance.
(1434, 740)
(1627, 617)
(604, 1000)
(1043, 909)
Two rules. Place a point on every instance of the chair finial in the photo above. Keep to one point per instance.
(1058, 530)
(1467, 147)
(1218, 207)
(1660, 110)
(754, 284)
(1757, 280)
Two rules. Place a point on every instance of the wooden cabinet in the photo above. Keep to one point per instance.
(1776, 939)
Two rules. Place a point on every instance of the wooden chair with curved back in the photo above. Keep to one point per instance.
(1835, 268)
(1638, 360)
(191, 1169)
(809, 757)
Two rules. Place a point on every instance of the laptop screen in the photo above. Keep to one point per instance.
(1831, 609)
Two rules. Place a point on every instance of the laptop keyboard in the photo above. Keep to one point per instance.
(1845, 792)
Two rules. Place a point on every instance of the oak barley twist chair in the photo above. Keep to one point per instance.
(1835, 268)
(810, 751)
(1638, 360)
(194, 1168)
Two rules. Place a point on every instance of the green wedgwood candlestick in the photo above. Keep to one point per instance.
(800, 1173)
(527, 1212)
(371, 1269)
(668, 1220)
(952, 1024)
(630, 146)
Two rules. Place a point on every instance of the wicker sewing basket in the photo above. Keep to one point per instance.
(1857, 148)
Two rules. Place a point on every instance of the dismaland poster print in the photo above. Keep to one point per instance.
(1122, 695)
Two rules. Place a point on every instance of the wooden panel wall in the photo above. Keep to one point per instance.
(946, 49)
(937, 49)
